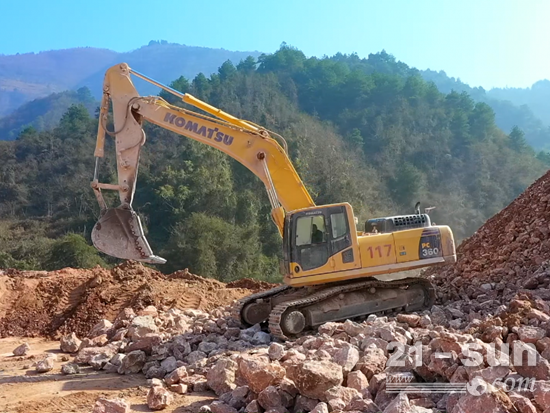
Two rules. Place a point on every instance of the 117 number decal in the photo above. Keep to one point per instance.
(378, 249)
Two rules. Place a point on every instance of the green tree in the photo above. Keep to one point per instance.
(227, 71)
(482, 121)
(216, 248)
(544, 157)
(247, 66)
(287, 59)
(73, 251)
(181, 84)
(407, 185)
(76, 121)
(355, 138)
(201, 87)
(7, 261)
(517, 139)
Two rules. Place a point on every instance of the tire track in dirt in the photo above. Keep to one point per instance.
(70, 300)
(188, 301)
(76, 402)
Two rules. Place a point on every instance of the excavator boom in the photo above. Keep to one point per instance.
(119, 231)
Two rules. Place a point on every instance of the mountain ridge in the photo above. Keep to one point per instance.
(69, 69)
(56, 71)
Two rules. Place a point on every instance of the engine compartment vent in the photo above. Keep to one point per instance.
(397, 223)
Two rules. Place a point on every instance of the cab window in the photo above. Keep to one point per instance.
(310, 230)
(311, 242)
(339, 225)
(340, 239)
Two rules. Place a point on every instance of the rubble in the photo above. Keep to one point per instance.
(57, 303)
(259, 373)
(159, 398)
(132, 363)
(221, 376)
(70, 368)
(342, 367)
(508, 255)
(492, 401)
(22, 350)
(103, 405)
(46, 364)
(70, 343)
(358, 381)
(314, 378)
(541, 394)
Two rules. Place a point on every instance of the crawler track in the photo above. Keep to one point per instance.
(277, 313)
(237, 309)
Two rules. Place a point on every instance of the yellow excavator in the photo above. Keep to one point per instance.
(329, 265)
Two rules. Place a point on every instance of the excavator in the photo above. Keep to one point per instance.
(331, 268)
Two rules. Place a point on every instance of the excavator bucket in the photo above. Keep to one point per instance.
(119, 233)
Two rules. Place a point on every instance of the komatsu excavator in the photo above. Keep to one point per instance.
(330, 266)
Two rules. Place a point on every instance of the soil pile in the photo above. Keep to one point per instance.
(506, 256)
(38, 303)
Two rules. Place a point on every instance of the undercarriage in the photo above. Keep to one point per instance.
(290, 311)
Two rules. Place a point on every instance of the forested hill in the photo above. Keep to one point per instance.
(524, 108)
(28, 76)
(381, 140)
(535, 98)
(44, 114)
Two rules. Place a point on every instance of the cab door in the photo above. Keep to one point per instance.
(311, 241)
(321, 241)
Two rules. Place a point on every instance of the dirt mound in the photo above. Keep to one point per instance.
(505, 256)
(60, 302)
(250, 284)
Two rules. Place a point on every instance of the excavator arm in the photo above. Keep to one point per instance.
(119, 232)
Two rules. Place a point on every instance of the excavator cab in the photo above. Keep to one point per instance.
(319, 240)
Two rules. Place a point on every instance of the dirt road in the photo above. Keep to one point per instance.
(22, 390)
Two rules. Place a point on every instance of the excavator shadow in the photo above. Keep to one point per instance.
(87, 379)
(102, 381)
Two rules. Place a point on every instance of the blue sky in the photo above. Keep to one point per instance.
(485, 43)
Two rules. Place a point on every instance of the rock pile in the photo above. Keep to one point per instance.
(483, 348)
(509, 254)
(505, 254)
(380, 365)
